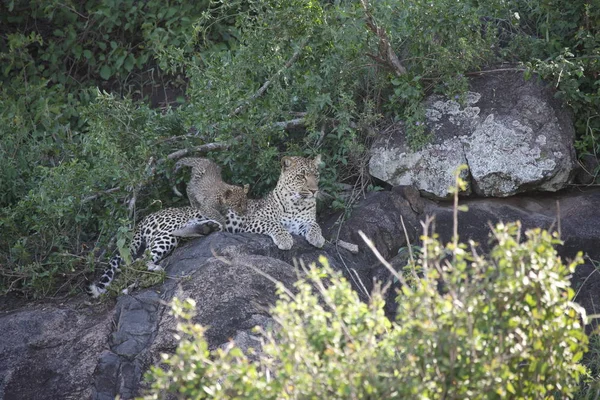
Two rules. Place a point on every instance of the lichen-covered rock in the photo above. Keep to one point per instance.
(511, 133)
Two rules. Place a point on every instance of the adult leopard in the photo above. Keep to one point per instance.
(158, 232)
(291, 208)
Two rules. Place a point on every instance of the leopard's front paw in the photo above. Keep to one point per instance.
(315, 237)
(284, 242)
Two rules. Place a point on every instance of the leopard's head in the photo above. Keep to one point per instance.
(300, 176)
(235, 198)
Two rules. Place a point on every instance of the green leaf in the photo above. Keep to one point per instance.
(510, 387)
(129, 62)
(105, 72)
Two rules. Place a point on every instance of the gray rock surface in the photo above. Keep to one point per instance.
(51, 351)
(74, 350)
(513, 135)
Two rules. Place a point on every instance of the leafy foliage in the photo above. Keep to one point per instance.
(93, 40)
(590, 386)
(272, 76)
(561, 41)
(471, 326)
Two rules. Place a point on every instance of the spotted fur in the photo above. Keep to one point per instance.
(159, 233)
(208, 192)
(291, 208)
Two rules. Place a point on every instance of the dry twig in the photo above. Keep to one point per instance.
(387, 55)
(101, 193)
(268, 82)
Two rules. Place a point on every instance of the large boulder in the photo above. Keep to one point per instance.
(512, 134)
(71, 350)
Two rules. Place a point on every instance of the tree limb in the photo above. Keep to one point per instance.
(268, 82)
(291, 123)
(202, 148)
(386, 51)
(98, 194)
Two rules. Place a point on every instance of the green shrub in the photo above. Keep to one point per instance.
(75, 205)
(94, 40)
(561, 41)
(590, 386)
(72, 157)
(69, 156)
(473, 326)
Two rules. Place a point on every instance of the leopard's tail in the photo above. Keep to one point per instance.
(99, 287)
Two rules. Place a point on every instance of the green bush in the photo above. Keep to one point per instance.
(472, 326)
(274, 76)
(94, 40)
(72, 157)
(561, 41)
(51, 233)
(590, 386)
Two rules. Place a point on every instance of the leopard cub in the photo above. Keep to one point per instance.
(207, 192)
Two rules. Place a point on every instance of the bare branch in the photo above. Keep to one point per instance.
(202, 148)
(385, 48)
(268, 82)
(95, 196)
(291, 123)
(351, 247)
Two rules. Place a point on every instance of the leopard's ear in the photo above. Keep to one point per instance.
(246, 188)
(287, 162)
(317, 161)
(225, 196)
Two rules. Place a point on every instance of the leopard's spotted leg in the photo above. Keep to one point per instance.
(282, 238)
(314, 235)
(159, 249)
(196, 228)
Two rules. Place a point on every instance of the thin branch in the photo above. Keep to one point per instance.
(382, 260)
(291, 123)
(202, 148)
(268, 82)
(176, 138)
(491, 71)
(98, 194)
(386, 51)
